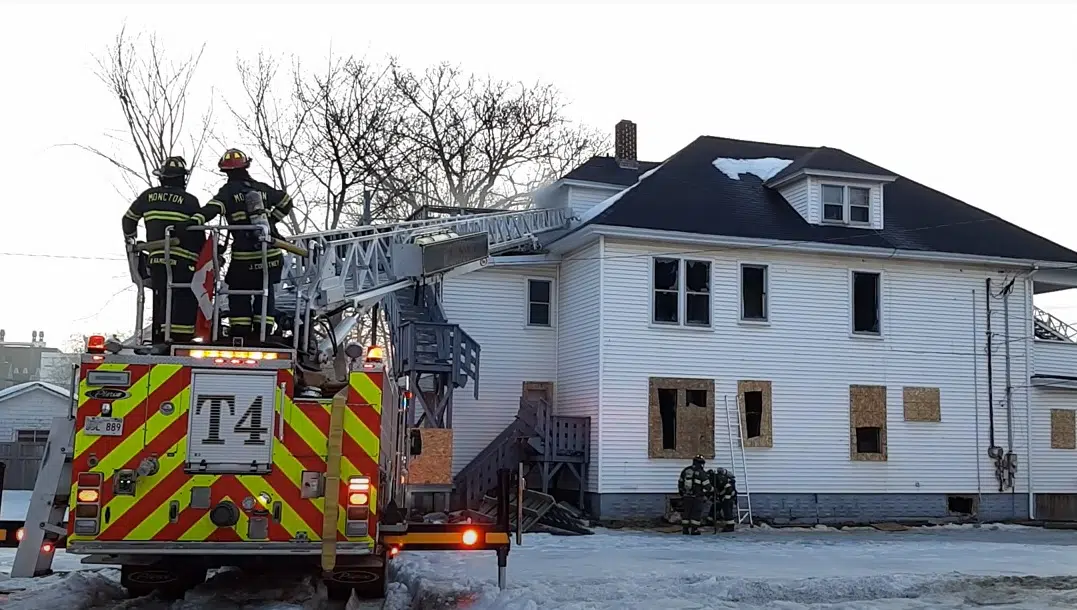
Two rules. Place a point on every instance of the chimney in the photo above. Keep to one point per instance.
(624, 144)
(34, 338)
(3, 333)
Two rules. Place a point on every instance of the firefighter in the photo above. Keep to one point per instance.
(724, 510)
(695, 487)
(246, 201)
(162, 206)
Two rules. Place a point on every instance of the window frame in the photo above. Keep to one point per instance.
(864, 334)
(846, 204)
(765, 320)
(682, 294)
(36, 435)
(528, 302)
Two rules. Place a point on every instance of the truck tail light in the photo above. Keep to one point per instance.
(88, 503)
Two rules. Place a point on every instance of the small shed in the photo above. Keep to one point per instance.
(26, 414)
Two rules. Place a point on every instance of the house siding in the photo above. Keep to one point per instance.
(797, 194)
(928, 311)
(1052, 468)
(1055, 358)
(491, 305)
(582, 198)
(579, 343)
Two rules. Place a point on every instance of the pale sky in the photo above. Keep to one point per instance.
(976, 101)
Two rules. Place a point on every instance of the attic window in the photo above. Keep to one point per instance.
(846, 204)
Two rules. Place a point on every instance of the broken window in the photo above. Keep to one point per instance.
(753, 413)
(667, 408)
(753, 292)
(866, 302)
(666, 290)
(696, 398)
(869, 439)
(539, 299)
(697, 282)
(859, 204)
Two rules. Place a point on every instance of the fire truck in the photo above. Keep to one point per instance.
(173, 462)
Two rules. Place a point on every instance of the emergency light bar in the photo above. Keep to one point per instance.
(229, 354)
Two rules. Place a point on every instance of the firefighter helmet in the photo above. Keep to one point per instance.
(699, 460)
(173, 167)
(233, 158)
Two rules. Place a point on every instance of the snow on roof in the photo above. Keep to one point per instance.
(765, 168)
(22, 388)
(602, 206)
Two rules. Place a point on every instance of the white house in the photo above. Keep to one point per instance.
(26, 414)
(840, 308)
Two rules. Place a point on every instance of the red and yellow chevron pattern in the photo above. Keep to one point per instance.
(300, 444)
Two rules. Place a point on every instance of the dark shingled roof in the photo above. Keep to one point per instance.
(606, 170)
(695, 197)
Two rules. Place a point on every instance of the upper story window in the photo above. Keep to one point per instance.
(681, 292)
(539, 302)
(846, 204)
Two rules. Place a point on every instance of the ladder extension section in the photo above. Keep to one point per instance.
(1051, 328)
(355, 266)
(48, 506)
(738, 463)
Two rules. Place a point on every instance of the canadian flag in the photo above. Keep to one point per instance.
(202, 284)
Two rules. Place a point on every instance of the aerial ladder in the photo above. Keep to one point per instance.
(330, 280)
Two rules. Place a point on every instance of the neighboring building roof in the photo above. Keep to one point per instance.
(23, 388)
(696, 197)
(607, 171)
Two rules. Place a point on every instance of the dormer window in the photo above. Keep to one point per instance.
(846, 204)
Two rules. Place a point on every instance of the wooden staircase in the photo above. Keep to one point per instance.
(544, 442)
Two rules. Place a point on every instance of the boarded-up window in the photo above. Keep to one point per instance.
(755, 405)
(867, 423)
(1063, 429)
(680, 418)
(922, 404)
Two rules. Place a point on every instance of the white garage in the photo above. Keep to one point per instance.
(26, 414)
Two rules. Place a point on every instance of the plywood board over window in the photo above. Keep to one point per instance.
(1063, 429)
(680, 418)
(867, 423)
(754, 398)
(921, 404)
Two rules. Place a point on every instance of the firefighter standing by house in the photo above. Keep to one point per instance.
(246, 201)
(160, 207)
(724, 509)
(695, 487)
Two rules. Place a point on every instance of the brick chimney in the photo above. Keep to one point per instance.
(624, 144)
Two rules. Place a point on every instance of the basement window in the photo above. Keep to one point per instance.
(753, 292)
(869, 439)
(866, 302)
(961, 505)
(753, 414)
(667, 408)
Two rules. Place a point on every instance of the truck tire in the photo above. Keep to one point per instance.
(142, 580)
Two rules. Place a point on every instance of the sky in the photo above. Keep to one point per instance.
(976, 101)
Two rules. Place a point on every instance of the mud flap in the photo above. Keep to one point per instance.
(332, 480)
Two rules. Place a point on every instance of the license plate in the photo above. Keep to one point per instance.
(103, 426)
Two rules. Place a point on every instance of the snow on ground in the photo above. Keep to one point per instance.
(947, 567)
(837, 569)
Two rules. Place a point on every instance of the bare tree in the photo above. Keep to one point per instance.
(484, 143)
(152, 93)
(275, 126)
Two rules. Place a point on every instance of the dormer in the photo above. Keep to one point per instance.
(828, 186)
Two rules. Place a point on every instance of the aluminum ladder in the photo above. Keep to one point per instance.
(353, 267)
(738, 462)
(48, 504)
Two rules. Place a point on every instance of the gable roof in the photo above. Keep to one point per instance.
(29, 386)
(696, 197)
(607, 171)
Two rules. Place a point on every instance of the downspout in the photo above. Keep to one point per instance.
(991, 449)
(555, 296)
(596, 460)
(1010, 457)
(1030, 338)
(976, 398)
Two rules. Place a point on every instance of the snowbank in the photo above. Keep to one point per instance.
(73, 591)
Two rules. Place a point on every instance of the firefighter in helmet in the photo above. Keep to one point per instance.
(695, 487)
(160, 207)
(246, 201)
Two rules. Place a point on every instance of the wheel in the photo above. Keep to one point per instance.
(174, 582)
